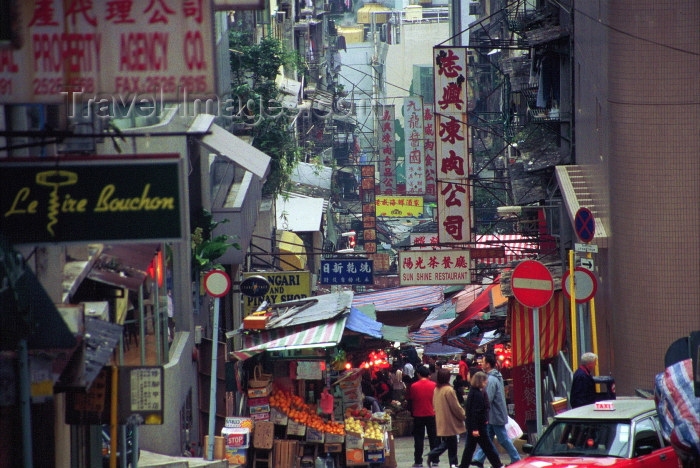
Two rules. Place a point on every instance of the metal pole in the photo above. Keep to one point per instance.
(572, 302)
(212, 384)
(113, 419)
(122, 443)
(156, 322)
(538, 371)
(594, 332)
(135, 448)
(25, 403)
(142, 328)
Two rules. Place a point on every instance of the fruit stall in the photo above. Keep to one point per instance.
(307, 395)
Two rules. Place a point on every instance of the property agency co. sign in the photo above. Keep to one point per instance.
(91, 199)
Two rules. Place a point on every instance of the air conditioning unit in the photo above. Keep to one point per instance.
(475, 9)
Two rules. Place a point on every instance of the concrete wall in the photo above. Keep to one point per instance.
(180, 376)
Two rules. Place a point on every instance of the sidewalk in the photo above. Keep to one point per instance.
(404, 452)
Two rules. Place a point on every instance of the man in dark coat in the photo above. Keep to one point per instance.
(583, 386)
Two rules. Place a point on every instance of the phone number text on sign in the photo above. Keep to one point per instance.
(146, 389)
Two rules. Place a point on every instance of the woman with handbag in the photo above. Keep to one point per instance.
(477, 409)
(449, 419)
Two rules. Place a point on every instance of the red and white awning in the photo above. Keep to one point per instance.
(516, 247)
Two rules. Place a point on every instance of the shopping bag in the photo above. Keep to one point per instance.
(513, 429)
(326, 402)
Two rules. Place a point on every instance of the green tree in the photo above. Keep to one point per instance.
(254, 67)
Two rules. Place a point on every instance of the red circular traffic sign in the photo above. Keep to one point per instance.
(585, 284)
(217, 283)
(532, 284)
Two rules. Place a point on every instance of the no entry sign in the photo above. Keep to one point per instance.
(532, 284)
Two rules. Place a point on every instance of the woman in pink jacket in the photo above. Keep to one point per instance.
(449, 419)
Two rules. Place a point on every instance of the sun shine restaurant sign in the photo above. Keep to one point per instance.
(108, 49)
(435, 267)
(92, 199)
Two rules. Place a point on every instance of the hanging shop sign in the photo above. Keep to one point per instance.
(254, 286)
(387, 151)
(418, 267)
(347, 271)
(453, 165)
(429, 152)
(92, 199)
(414, 164)
(284, 286)
(399, 206)
(109, 54)
(369, 216)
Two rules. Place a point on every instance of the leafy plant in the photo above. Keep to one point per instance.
(206, 250)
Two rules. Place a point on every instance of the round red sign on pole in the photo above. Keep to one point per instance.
(532, 284)
(585, 284)
(217, 283)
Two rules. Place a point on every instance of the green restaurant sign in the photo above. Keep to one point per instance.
(61, 200)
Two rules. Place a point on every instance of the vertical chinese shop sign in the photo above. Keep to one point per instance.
(413, 140)
(387, 153)
(429, 152)
(452, 145)
(369, 218)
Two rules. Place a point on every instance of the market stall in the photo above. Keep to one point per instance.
(299, 374)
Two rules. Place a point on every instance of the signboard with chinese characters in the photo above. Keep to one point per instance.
(399, 206)
(424, 241)
(141, 392)
(418, 267)
(452, 145)
(414, 164)
(125, 198)
(387, 152)
(369, 219)
(111, 52)
(347, 271)
(429, 152)
(286, 286)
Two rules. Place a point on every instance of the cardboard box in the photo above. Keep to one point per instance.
(314, 436)
(334, 438)
(236, 437)
(373, 444)
(237, 457)
(354, 457)
(278, 417)
(260, 391)
(354, 441)
(259, 409)
(390, 453)
(263, 434)
(374, 456)
(295, 428)
(260, 401)
(239, 422)
(260, 416)
(332, 448)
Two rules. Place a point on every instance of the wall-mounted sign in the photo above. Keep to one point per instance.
(91, 199)
(399, 206)
(284, 286)
(254, 286)
(112, 53)
(347, 271)
(417, 267)
(387, 150)
(414, 164)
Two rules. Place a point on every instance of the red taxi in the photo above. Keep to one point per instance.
(623, 432)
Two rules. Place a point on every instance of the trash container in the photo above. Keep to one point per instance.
(607, 383)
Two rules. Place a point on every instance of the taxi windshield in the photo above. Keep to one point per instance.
(585, 438)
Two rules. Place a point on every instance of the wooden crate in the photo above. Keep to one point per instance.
(263, 434)
(285, 453)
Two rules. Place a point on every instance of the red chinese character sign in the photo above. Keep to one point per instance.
(453, 165)
(414, 164)
(429, 152)
(369, 218)
(435, 267)
(387, 153)
(112, 52)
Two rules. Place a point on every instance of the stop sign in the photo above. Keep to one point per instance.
(532, 284)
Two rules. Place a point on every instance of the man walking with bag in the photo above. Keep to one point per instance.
(498, 413)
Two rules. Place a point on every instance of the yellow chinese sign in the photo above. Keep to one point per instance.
(287, 286)
(399, 206)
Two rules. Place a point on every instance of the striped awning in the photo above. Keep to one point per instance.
(408, 297)
(430, 331)
(323, 335)
(552, 320)
(481, 303)
(516, 247)
(473, 339)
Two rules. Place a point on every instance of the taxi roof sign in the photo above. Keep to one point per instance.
(604, 406)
